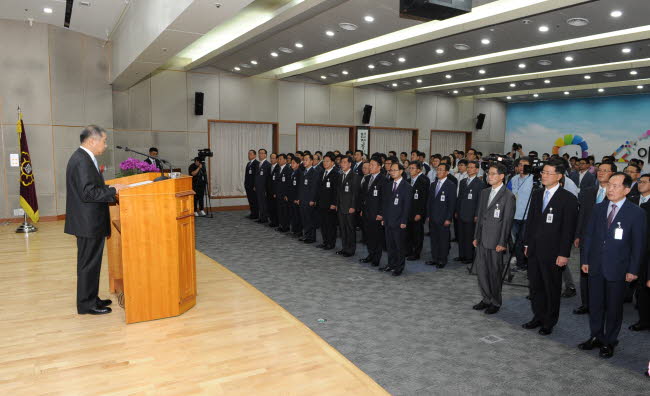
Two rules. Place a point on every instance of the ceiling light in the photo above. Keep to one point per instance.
(47, 10)
(253, 62)
(369, 18)
(348, 26)
(481, 71)
(626, 50)
(237, 68)
(345, 72)
(536, 95)
(323, 77)
(455, 92)
(566, 92)
(448, 76)
(461, 47)
(482, 89)
(440, 51)
(419, 81)
(401, 60)
(587, 77)
(529, 83)
(543, 29)
(299, 45)
(246, 65)
(371, 66)
(616, 14)
(578, 22)
(639, 86)
(601, 90)
(385, 63)
(274, 54)
(329, 33)
(508, 97)
(634, 72)
(569, 59)
(485, 41)
(522, 65)
(286, 50)
(544, 62)
(547, 81)
(394, 84)
(333, 75)
(609, 74)
(512, 85)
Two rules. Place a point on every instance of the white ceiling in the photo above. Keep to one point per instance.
(97, 20)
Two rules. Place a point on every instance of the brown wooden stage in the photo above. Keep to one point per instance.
(234, 341)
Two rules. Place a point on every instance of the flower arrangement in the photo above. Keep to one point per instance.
(132, 166)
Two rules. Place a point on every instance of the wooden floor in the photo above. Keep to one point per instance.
(234, 341)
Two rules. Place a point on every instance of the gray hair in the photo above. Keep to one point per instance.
(91, 131)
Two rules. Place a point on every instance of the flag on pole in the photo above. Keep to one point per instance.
(28, 200)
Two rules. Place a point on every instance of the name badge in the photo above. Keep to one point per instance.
(306, 182)
(416, 195)
(327, 185)
(295, 183)
(347, 188)
(442, 197)
(374, 192)
(261, 173)
(396, 201)
(273, 177)
(284, 179)
(618, 232)
(549, 217)
(469, 196)
(497, 212)
(250, 171)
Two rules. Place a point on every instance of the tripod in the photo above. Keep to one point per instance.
(207, 203)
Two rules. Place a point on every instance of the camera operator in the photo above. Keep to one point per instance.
(199, 182)
(517, 151)
(521, 185)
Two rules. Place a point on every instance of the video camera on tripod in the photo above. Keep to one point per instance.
(203, 153)
(506, 161)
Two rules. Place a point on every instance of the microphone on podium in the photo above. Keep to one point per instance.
(162, 171)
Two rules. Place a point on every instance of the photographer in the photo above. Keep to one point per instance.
(521, 185)
(199, 182)
(517, 151)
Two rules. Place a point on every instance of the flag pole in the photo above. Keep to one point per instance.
(25, 227)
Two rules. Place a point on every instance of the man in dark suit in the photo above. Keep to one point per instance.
(358, 163)
(283, 182)
(612, 256)
(327, 193)
(347, 203)
(293, 197)
(643, 283)
(496, 211)
(415, 226)
(153, 153)
(634, 172)
(307, 199)
(249, 183)
(441, 206)
(467, 212)
(422, 157)
(588, 198)
(583, 178)
(396, 208)
(262, 183)
(550, 231)
(271, 191)
(87, 217)
(372, 194)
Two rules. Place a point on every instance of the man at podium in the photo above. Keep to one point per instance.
(87, 216)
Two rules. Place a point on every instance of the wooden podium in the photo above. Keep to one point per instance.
(151, 254)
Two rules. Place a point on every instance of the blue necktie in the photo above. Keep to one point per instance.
(438, 185)
(546, 197)
(601, 195)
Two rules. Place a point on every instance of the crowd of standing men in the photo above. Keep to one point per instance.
(493, 210)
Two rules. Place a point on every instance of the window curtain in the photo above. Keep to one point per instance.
(230, 143)
(446, 142)
(320, 138)
(385, 140)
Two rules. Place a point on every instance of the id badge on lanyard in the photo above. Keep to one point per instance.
(497, 212)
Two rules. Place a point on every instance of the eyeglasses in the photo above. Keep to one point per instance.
(548, 173)
(604, 171)
(394, 170)
(643, 182)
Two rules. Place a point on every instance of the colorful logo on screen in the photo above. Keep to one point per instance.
(628, 149)
(574, 145)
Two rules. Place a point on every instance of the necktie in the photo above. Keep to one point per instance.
(438, 186)
(394, 187)
(372, 179)
(601, 195)
(325, 175)
(611, 216)
(547, 194)
(491, 197)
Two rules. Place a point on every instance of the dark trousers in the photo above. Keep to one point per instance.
(347, 222)
(296, 218)
(89, 264)
(374, 239)
(252, 200)
(396, 244)
(489, 271)
(415, 237)
(465, 239)
(518, 231)
(606, 308)
(262, 204)
(439, 242)
(328, 226)
(584, 286)
(273, 210)
(308, 216)
(199, 198)
(283, 213)
(545, 283)
(643, 301)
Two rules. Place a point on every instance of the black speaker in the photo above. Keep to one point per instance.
(198, 103)
(480, 120)
(367, 110)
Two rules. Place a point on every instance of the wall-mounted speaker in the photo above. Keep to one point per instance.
(198, 103)
(367, 111)
(480, 120)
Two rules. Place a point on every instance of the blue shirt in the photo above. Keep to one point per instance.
(521, 187)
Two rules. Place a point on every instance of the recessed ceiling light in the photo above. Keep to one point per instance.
(512, 85)
(545, 62)
(578, 22)
(569, 59)
(406, 83)
(253, 62)
(344, 72)
(601, 90)
(394, 84)
(329, 33)
(369, 18)
(333, 75)
(246, 65)
(626, 50)
(323, 77)
(609, 74)
(461, 47)
(616, 14)
(274, 54)
(485, 41)
(547, 81)
(639, 86)
(481, 71)
(566, 92)
(401, 60)
(536, 95)
(481, 89)
(371, 66)
(508, 97)
(440, 51)
(448, 76)
(286, 50)
(522, 65)
(299, 45)
(385, 63)
(527, 21)
(529, 83)
(587, 77)
(419, 81)
(455, 92)
(237, 68)
(348, 26)
(634, 72)
(47, 10)
(543, 29)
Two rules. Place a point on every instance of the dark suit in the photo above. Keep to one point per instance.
(249, 184)
(87, 218)
(440, 208)
(609, 260)
(293, 195)
(348, 198)
(272, 194)
(643, 291)
(415, 229)
(262, 183)
(396, 209)
(155, 161)
(306, 194)
(549, 234)
(283, 181)
(588, 180)
(357, 168)
(327, 195)
(467, 210)
(371, 206)
(634, 196)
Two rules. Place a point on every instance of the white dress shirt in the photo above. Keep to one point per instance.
(92, 156)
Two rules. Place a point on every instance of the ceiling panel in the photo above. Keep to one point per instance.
(587, 93)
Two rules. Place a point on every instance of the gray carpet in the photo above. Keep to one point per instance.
(416, 334)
